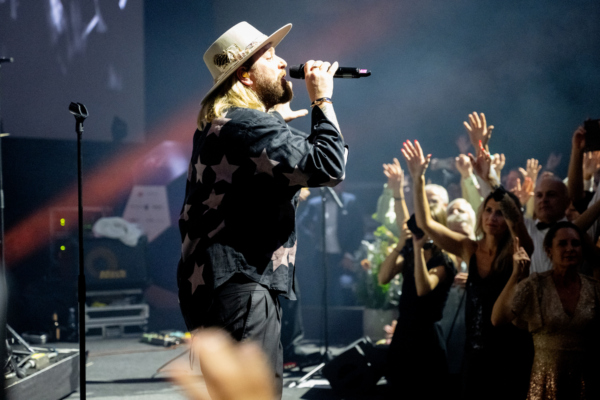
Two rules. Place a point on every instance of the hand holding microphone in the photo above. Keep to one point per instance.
(297, 72)
(319, 79)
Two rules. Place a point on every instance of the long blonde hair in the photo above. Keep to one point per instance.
(231, 93)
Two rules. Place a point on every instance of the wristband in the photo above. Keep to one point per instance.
(398, 198)
(320, 101)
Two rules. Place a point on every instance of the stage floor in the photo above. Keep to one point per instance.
(125, 369)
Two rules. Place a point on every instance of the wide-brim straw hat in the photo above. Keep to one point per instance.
(235, 47)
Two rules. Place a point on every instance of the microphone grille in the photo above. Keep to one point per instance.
(297, 71)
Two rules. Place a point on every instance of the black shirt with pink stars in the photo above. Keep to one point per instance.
(239, 213)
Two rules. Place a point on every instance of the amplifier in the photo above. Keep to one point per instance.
(110, 264)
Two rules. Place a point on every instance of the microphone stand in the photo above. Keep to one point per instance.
(3, 285)
(326, 354)
(80, 113)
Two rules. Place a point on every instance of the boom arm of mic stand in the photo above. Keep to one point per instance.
(335, 197)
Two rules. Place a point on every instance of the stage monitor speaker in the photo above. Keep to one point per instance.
(357, 370)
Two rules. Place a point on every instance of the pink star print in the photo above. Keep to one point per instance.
(184, 216)
(264, 163)
(188, 247)
(280, 257)
(196, 279)
(199, 170)
(297, 178)
(216, 125)
(224, 170)
(217, 230)
(213, 201)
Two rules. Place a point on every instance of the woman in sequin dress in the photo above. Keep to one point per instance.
(560, 308)
(497, 361)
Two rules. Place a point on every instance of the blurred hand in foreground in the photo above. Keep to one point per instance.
(231, 371)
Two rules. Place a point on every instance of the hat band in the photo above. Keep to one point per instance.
(232, 55)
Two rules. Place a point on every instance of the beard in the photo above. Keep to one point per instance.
(273, 92)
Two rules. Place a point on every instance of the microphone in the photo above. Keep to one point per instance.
(297, 72)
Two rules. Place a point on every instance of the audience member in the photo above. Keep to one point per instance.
(417, 350)
(497, 360)
(559, 308)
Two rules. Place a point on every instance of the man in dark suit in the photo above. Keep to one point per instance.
(344, 232)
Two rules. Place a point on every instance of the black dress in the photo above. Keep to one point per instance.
(497, 361)
(417, 353)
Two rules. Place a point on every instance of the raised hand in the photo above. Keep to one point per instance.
(578, 139)
(482, 165)
(524, 191)
(462, 142)
(464, 166)
(498, 163)
(521, 260)
(553, 161)
(478, 130)
(395, 176)
(286, 111)
(417, 163)
(591, 164)
(532, 171)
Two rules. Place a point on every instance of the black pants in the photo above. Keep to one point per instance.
(249, 311)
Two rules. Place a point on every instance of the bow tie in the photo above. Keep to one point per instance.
(542, 225)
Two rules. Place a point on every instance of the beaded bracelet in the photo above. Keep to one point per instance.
(320, 101)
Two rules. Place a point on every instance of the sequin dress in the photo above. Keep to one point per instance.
(565, 361)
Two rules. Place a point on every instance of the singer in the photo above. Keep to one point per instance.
(237, 222)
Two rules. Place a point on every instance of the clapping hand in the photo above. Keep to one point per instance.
(416, 161)
(395, 176)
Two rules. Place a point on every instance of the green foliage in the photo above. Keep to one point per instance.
(368, 291)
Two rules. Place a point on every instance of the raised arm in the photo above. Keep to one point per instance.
(508, 206)
(394, 262)
(514, 219)
(468, 182)
(426, 279)
(502, 311)
(448, 240)
(589, 216)
(395, 177)
(575, 183)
